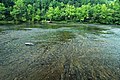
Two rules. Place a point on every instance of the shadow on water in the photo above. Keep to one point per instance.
(66, 53)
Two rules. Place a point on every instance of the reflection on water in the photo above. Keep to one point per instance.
(1, 29)
(61, 52)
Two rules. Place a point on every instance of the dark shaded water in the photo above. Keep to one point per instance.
(60, 52)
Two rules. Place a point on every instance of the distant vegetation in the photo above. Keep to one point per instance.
(90, 11)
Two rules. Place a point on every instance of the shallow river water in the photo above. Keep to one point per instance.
(60, 52)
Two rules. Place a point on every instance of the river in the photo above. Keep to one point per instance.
(60, 52)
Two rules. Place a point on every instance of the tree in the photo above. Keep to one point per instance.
(95, 11)
(116, 15)
(30, 12)
(37, 16)
(2, 10)
(18, 11)
(50, 13)
(69, 12)
(7, 3)
(84, 12)
(21, 12)
(106, 14)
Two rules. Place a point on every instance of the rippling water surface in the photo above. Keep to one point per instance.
(60, 52)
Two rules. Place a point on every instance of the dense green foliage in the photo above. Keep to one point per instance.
(92, 11)
(2, 11)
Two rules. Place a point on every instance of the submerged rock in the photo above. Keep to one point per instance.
(29, 44)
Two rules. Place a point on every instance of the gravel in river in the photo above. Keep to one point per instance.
(70, 52)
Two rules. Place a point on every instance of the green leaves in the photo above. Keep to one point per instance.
(50, 13)
(18, 11)
(37, 16)
(94, 11)
(21, 12)
(101, 13)
(2, 7)
(2, 10)
(68, 13)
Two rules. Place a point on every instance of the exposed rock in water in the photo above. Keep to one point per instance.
(49, 21)
(29, 44)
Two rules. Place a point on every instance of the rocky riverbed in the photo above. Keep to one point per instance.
(60, 52)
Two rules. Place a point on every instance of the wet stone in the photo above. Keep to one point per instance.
(29, 44)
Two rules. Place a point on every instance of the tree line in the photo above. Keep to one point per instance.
(91, 11)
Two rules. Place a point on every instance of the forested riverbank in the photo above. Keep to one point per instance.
(103, 11)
